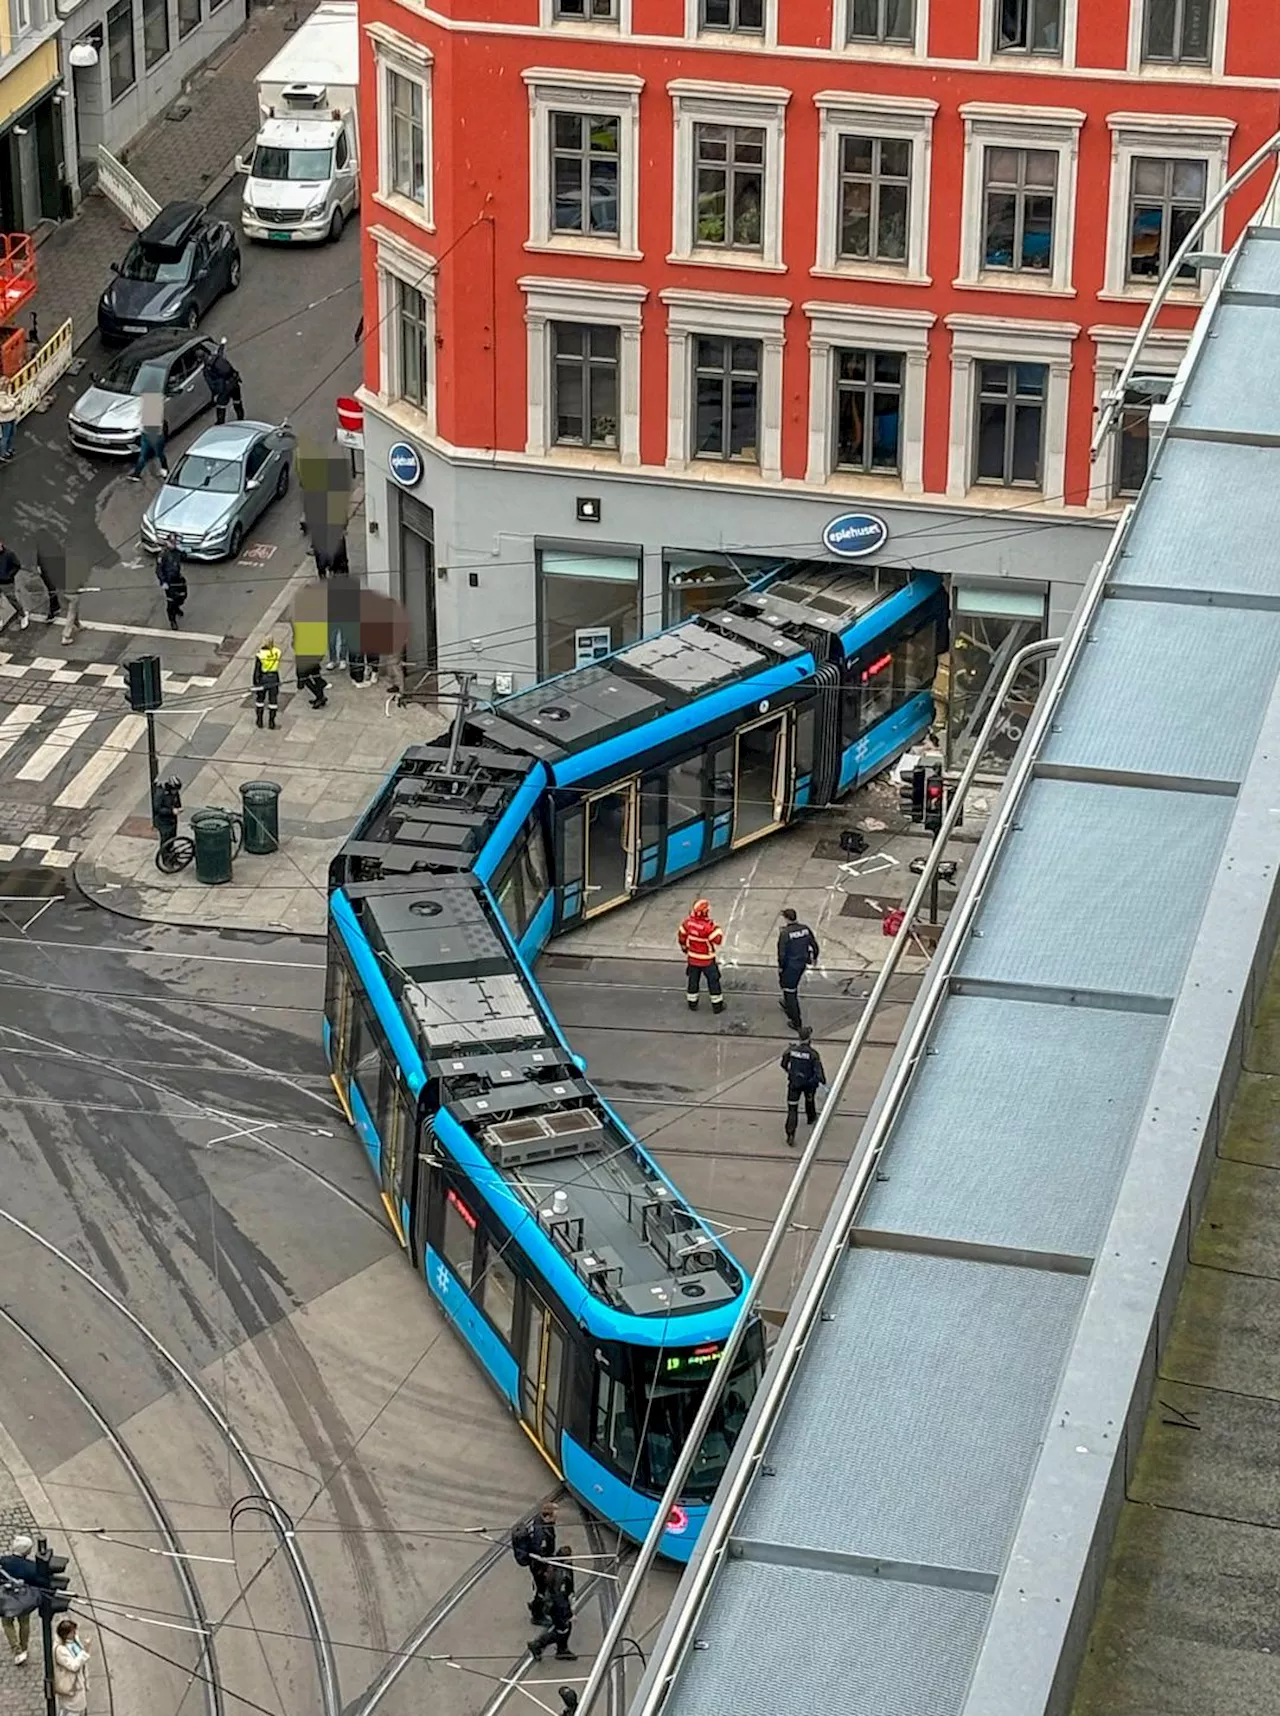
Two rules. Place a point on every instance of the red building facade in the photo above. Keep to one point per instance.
(723, 269)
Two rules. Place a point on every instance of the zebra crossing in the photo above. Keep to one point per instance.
(69, 744)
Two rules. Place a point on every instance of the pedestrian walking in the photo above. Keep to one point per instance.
(9, 414)
(70, 1670)
(560, 1609)
(19, 1565)
(172, 581)
(533, 1543)
(151, 446)
(330, 556)
(700, 938)
(266, 681)
(52, 585)
(312, 681)
(797, 951)
(223, 380)
(805, 1072)
(10, 566)
(29, 588)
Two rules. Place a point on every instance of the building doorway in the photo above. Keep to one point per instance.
(417, 557)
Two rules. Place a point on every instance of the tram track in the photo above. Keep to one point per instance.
(317, 1626)
(197, 1612)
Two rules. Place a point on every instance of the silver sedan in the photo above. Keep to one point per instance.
(224, 481)
(108, 418)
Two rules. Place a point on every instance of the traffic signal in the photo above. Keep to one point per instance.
(911, 793)
(54, 1580)
(143, 677)
(935, 799)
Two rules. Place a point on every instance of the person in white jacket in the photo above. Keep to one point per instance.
(70, 1670)
(9, 415)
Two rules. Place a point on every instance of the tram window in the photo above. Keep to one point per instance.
(722, 773)
(366, 1057)
(684, 792)
(459, 1243)
(673, 1384)
(510, 898)
(615, 1431)
(804, 743)
(917, 660)
(498, 1293)
(875, 682)
(571, 837)
(533, 867)
(651, 800)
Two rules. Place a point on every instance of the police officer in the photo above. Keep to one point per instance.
(803, 1066)
(533, 1543)
(223, 381)
(560, 1606)
(797, 951)
(171, 580)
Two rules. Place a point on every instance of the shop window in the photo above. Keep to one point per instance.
(700, 583)
(498, 1293)
(122, 67)
(458, 1244)
(188, 17)
(590, 605)
(988, 627)
(155, 31)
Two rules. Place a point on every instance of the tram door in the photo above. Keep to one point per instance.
(541, 1376)
(611, 846)
(759, 778)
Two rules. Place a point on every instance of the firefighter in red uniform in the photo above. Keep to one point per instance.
(700, 937)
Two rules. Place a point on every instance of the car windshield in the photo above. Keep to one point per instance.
(131, 374)
(162, 267)
(201, 471)
(272, 162)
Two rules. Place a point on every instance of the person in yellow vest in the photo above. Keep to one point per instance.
(266, 681)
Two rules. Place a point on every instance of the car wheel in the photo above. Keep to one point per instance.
(282, 483)
(192, 318)
(233, 273)
(234, 540)
(335, 226)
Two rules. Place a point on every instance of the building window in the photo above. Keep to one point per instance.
(1165, 201)
(1011, 423)
(188, 17)
(19, 18)
(882, 21)
(155, 31)
(584, 367)
(875, 194)
(1133, 439)
(729, 185)
(599, 11)
(1018, 196)
(406, 137)
(1029, 27)
(413, 344)
(589, 605)
(743, 17)
(868, 415)
(120, 60)
(584, 174)
(1180, 31)
(726, 399)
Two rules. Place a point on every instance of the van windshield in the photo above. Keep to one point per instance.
(272, 162)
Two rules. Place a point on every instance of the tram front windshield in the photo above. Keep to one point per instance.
(672, 1392)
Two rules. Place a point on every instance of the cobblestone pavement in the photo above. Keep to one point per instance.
(20, 1688)
(189, 157)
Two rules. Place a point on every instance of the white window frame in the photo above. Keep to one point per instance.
(840, 43)
(1167, 137)
(393, 52)
(832, 326)
(601, 304)
(398, 263)
(1216, 67)
(734, 40)
(1065, 61)
(553, 90)
(1000, 339)
(991, 125)
(733, 317)
(842, 114)
(621, 25)
(697, 103)
(1162, 354)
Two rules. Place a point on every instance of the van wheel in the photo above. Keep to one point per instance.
(335, 226)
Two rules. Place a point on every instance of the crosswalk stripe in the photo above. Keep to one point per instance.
(117, 745)
(41, 763)
(16, 723)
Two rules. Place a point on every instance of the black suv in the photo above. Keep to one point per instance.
(172, 272)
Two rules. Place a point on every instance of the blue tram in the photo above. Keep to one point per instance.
(595, 1299)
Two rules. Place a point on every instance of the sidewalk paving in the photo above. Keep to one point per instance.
(192, 157)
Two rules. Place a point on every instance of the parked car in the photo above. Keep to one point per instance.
(227, 477)
(172, 272)
(108, 418)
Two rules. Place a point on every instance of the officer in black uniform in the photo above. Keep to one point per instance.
(797, 951)
(803, 1066)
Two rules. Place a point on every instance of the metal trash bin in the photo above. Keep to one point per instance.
(211, 831)
(260, 801)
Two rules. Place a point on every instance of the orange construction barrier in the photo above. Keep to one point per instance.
(17, 273)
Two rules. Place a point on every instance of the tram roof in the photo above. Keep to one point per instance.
(925, 1510)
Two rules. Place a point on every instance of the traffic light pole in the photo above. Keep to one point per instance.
(153, 765)
(46, 1639)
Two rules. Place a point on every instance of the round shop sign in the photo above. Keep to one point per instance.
(855, 534)
(405, 464)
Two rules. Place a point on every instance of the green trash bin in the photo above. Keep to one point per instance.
(261, 804)
(211, 830)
